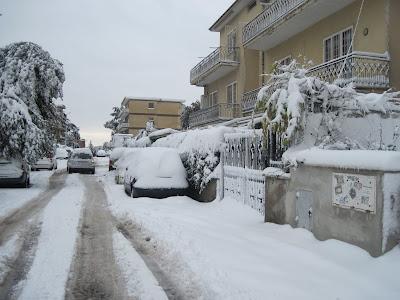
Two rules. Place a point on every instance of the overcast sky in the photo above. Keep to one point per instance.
(112, 49)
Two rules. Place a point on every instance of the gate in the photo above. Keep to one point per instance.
(243, 162)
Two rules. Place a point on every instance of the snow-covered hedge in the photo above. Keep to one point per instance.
(199, 150)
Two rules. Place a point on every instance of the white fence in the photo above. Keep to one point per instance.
(242, 172)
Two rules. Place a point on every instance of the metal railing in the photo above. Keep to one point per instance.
(221, 111)
(277, 11)
(249, 100)
(123, 113)
(219, 55)
(363, 70)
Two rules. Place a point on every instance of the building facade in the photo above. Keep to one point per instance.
(136, 112)
(352, 41)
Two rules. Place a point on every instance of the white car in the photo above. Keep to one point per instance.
(49, 163)
(155, 172)
(81, 160)
(14, 173)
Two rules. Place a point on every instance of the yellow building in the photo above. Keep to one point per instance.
(138, 111)
(255, 35)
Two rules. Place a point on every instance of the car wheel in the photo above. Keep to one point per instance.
(133, 192)
(69, 171)
(93, 171)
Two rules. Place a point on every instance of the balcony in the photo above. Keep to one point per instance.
(123, 113)
(363, 70)
(215, 113)
(219, 63)
(283, 19)
(123, 127)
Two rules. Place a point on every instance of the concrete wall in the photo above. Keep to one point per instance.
(329, 221)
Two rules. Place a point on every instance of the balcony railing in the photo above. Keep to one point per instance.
(277, 11)
(123, 113)
(222, 111)
(122, 127)
(363, 70)
(249, 100)
(218, 56)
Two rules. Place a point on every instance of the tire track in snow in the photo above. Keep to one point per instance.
(94, 273)
(25, 222)
(10, 224)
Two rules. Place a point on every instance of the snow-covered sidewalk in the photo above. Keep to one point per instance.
(232, 254)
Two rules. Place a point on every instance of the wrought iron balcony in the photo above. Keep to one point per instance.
(216, 65)
(291, 16)
(215, 113)
(363, 70)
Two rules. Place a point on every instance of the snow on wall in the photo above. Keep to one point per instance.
(391, 208)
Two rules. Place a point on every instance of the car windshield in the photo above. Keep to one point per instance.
(82, 156)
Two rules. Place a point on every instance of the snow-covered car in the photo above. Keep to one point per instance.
(155, 173)
(116, 154)
(62, 153)
(81, 160)
(14, 173)
(49, 163)
(101, 153)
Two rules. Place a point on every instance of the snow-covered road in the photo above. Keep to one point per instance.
(81, 237)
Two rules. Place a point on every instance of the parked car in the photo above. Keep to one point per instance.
(101, 153)
(49, 163)
(156, 173)
(81, 160)
(14, 173)
(116, 154)
(62, 153)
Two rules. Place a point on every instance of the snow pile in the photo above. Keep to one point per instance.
(200, 152)
(354, 159)
(156, 168)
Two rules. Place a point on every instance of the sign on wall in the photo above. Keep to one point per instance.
(354, 191)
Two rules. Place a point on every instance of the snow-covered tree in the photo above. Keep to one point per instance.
(30, 81)
(187, 110)
(290, 94)
(114, 122)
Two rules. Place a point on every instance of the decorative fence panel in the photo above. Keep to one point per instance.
(242, 173)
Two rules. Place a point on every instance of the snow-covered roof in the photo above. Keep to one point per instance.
(82, 150)
(347, 159)
(162, 132)
(129, 98)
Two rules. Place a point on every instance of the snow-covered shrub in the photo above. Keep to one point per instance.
(30, 81)
(290, 94)
(199, 150)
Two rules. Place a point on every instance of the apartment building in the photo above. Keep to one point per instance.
(138, 111)
(256, 35)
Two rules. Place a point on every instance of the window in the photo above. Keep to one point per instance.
(151, 105)
(231, 41)
(338, 44)
(231, 93)
(251, 5)
(213, 98)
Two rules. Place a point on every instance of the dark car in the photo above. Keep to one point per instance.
(14, 173)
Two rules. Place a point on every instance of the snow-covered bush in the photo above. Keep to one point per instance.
(30, 81)
(290, 94)
(199, 150)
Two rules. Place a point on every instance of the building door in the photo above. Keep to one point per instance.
(304, 201)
